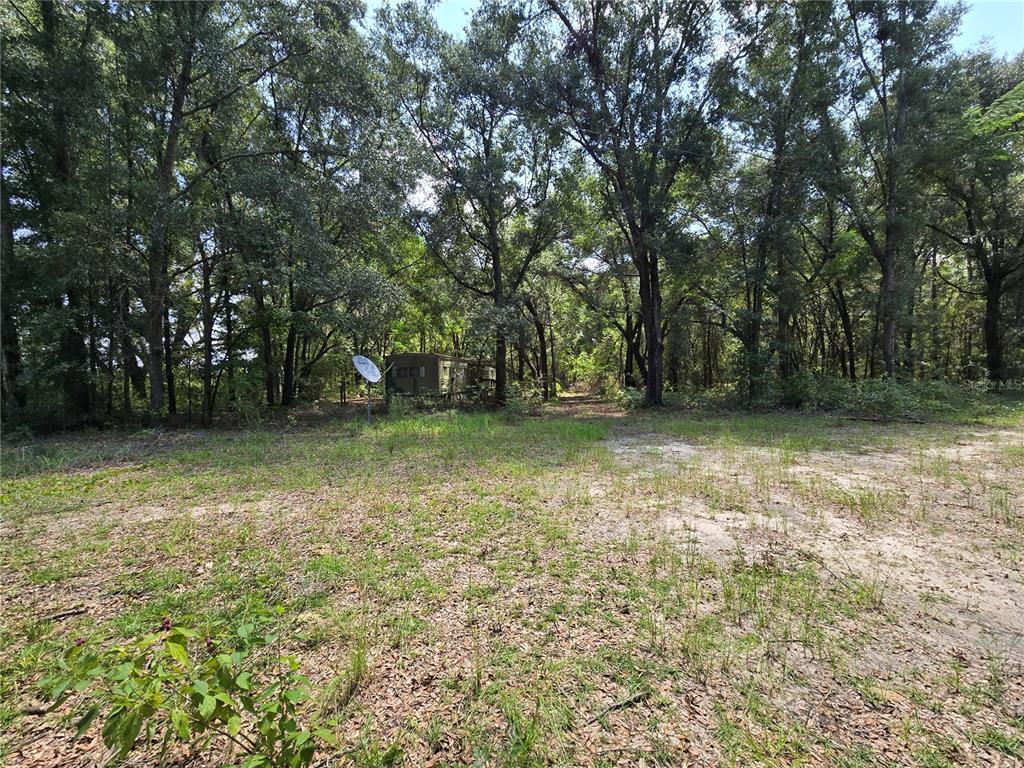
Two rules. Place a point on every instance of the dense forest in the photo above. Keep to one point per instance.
(208, 208)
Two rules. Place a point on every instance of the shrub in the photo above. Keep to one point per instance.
(399, 405)
(887, 398)
(523, 398)
(631, 399)
(176, 686)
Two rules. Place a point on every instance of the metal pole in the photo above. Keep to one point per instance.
(369, 414)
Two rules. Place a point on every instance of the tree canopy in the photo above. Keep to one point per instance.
(212, 206)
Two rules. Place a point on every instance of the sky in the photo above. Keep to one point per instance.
(452, 15)
(1000, 22)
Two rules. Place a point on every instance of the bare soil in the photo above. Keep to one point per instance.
(923, 542)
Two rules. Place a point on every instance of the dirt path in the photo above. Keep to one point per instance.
(941, 539)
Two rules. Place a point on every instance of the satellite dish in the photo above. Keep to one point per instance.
(367, 368)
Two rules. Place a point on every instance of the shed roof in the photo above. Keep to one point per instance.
(410, 356)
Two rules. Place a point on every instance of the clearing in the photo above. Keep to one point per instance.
(579, 587)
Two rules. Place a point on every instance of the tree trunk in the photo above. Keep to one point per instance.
(553, 372)
(288, 386)
(844, 316)
(650, 314)
(770, 240)
(157, 251)
(521, 357)
(11, 390)
(870, 367)
(127, 361)
(708, 379)
(755, 359)
(111, 356)
(266, 344)
(500, 369)
(229, 345)
(935, 328)
(93, 355)
(888, 287)
(993, 338)
(302, 367)
(172, 396)
(627, 367)
(542, 355)
(134, 374)
(74, 355)
(208, 313)
(500, 344)
(908, 354)
(155, 342)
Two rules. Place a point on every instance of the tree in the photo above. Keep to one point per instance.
(183, 64)
(783, 87)
(982, 179)
(52, 89)
(637, 86)
(894, 49)
(494, 170)
(678, 192)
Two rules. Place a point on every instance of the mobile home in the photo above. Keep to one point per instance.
(413, 373)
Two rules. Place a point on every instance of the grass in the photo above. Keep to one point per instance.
(338, 693)
(526, 591)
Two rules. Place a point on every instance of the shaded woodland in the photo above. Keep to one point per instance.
(208, 208)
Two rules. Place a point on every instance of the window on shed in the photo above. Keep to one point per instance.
(403, 372)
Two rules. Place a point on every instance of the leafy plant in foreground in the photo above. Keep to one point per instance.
(178, 686)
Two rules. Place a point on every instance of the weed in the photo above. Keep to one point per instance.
(999, 740)
(342, 689)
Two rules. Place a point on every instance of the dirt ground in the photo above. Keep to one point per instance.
(944, 559)
(666, 596)
(948, 564)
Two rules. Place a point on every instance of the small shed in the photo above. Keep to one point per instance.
(414, 373)
(481, 375)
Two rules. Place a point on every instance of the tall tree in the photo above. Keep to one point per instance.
(183, 63)
(982, 178)
(783, 87)
(894, 48)
(495, 171)
(637, 86)
(52, 88)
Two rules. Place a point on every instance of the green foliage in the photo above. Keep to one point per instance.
(895, 398)
(523, 398)
(178, 685)
(1004, 113)
(547, 190)
(631, 399)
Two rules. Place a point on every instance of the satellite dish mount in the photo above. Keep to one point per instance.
(371, 373)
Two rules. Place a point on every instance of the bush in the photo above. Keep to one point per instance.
(691, 400)
(523, 398)
(800, 389)
(886, 398)
(631, 399)
(399, 405)
(176, 686)
(688, 399)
